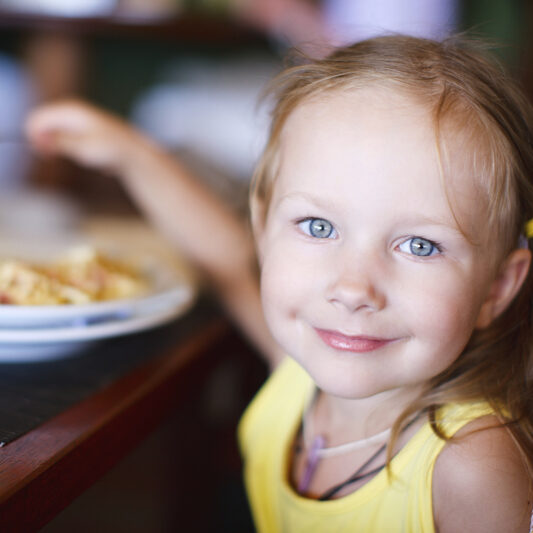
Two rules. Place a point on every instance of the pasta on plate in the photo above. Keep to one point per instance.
(80, 276)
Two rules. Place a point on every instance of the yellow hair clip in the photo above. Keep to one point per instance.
(529, 229)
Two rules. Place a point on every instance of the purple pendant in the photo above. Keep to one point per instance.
(311, 464)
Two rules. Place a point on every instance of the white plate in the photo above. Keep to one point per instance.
(165, 277)
(111, 328)
(167, 290)
(24, 345)
(45, 344)
(32, 333)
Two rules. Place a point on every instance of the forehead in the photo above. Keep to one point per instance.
(378, 140)
(331, 124)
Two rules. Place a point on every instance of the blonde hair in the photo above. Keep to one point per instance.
(465, 90)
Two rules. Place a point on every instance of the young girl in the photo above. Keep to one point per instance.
(390, 211)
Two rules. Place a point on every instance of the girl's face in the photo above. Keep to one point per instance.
(367, 280)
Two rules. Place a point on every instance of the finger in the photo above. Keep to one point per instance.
(52, 119)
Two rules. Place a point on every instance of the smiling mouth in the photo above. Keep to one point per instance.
(356, 344)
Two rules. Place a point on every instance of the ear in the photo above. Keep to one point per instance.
(504, 288)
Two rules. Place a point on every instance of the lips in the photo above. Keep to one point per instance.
(356, 344)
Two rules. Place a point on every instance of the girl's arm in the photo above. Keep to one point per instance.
(205, 230)
(481, 483)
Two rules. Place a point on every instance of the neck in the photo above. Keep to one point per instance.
(344, 419)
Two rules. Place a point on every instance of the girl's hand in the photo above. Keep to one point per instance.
(205, 230)
(83, 133)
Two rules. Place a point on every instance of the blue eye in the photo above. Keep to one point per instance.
(419, 247)
(318, 228)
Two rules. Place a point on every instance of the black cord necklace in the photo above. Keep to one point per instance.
(360, 473)
(356, 476)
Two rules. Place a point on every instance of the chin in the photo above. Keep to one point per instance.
(346, 386)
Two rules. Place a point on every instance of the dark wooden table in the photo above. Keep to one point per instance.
(42, 471)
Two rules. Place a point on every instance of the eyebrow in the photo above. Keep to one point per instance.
(324, 204)
(317, 202)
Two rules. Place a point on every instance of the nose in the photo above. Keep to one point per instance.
(356, 290)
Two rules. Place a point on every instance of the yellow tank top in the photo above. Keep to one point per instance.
(401, 504)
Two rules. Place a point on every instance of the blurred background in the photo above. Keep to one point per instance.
(189, 73)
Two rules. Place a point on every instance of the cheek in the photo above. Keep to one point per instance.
(288, 282)
(276, 298)
(287, 269)
(281, 279)
(445, 311)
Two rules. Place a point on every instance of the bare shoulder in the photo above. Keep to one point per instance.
(480, 482)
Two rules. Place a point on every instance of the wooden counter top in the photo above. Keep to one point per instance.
(44, 470)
